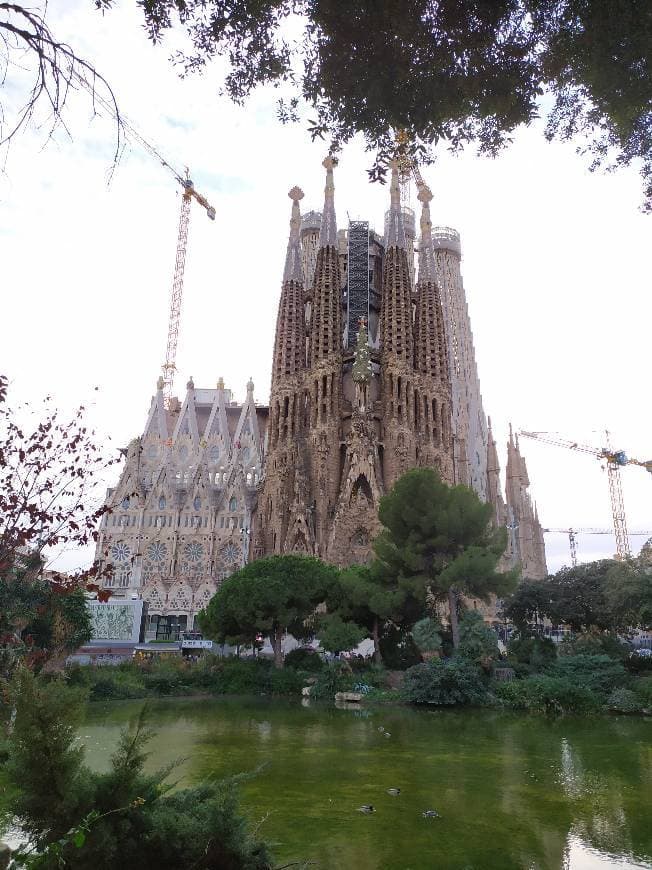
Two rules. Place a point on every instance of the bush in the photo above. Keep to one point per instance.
(451, 682)
(110, 683)
(304, 660)
(624, 701)
(599, 674)
(643, 688)
(545, 694)
(331, 680)
(595, 643)
(478, 642)
(535, 652)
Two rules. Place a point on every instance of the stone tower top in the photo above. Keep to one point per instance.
(293, 270)
(396, 225)
(328, 229)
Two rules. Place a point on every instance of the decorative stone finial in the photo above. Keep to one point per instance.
(296, 194)
(191, 384)
(220, 383)
(425, 194)
(160, 383)
(250, 386)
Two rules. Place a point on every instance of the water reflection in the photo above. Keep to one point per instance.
(512, 791)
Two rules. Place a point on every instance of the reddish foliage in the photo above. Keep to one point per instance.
(49, 478)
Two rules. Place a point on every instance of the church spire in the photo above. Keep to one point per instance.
(396, 313)
(426, 253)
(396, 226)
(326, 315)
(328, 229)
(293, 270)
(430, 332)
(289, 343)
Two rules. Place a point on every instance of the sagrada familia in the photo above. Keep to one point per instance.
(373, 373)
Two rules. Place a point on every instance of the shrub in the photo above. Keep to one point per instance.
(595, 643)
(304, 660)
(599, 674)
(285, 681)
(331, 680)
(545, 694)
(535, 652)
(624, 701)
(110, 683)
(643, 688)
(450, 682)
(478, 642)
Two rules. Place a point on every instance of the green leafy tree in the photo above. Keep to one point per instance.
(122, 818)
(478, 643)
(455, 71)
(270, 596)
(439, 540)
(367, 597)
(529, 604)
(336, 635)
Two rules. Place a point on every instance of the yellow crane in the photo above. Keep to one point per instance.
(573, 533)
(614, 460)
(188, 194)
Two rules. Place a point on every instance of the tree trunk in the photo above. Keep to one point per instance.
(452, 606)
(378, 659)
(276, 639)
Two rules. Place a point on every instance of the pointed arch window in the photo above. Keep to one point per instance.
(197, 503)
(233, 504)
(161, 503)
(125, 503)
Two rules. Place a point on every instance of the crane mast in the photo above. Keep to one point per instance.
(573, 533)
(614, 460)
(189, 193)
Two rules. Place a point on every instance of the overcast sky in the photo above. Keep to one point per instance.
(556, 265)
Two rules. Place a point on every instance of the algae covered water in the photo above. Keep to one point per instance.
(511, 791)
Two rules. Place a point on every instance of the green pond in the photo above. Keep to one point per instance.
(511, 791)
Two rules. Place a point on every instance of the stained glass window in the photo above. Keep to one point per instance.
(120, 552)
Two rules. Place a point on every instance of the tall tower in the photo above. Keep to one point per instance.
(469, 423)
(522, 520)
(397, 346)
(282, 509)
(324, 380)
(432, 400)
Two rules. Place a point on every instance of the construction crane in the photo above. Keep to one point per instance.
(189, 193)
(614, 460)
(573, 533)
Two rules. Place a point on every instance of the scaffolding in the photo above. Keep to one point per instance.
(358, 279)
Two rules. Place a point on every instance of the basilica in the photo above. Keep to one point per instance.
(373, 373)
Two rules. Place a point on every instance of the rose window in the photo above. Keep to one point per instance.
(230, 553)
(157, 551)
(194, 551)
(120, 552)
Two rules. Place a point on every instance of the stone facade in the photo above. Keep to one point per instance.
(181, 511)
(346, 421)
(355, 402)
